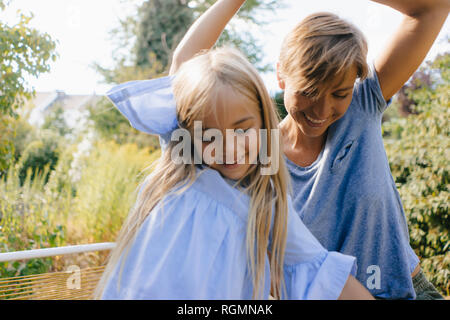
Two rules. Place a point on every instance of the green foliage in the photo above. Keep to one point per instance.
(6, 146)
(161, 26)
(152, 35)
(107, 189)
(25, 222)
(279, 103)
(24, 51)
(24, 134)
(39, 154)
(84, 200)
(418, 150)
(19, 133)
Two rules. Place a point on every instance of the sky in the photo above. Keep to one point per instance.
(82, 27)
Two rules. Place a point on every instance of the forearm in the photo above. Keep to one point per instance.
(354, 290)
(205, 32)
(416, 8)
(410, 44)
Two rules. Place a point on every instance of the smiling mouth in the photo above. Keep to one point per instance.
(315, 121)
(235, 164)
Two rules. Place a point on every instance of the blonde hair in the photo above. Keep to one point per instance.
(320, 47)
(195, 85)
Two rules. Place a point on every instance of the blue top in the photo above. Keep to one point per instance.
(348, 199)
(194, 247)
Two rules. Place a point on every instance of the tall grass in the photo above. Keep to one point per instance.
(68, 210)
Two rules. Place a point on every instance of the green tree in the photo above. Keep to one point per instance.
(39, 154)
(24, 51)
(152, 35)
(418, 150)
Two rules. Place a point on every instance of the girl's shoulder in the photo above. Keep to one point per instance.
(209, 190)
(215, 188)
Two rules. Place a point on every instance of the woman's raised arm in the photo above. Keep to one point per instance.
(205, 32)
(422, 21)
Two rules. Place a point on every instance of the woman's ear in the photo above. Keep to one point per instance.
(281, 83)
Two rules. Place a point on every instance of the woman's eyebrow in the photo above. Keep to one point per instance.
(243, 120)
(344, 89)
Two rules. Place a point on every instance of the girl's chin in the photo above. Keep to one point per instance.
(234, 172)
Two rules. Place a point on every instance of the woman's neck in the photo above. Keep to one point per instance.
(299, 148)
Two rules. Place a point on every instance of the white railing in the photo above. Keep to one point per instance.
(50, 252)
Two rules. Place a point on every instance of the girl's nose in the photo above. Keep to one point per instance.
(234, 148)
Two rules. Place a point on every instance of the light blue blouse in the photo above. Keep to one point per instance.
(193, 246)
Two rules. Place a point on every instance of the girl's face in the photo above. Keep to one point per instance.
(314, 117)
(239, 115)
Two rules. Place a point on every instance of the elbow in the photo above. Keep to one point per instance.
(417, 9)
(430, 8)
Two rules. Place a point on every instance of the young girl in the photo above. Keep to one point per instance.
(342, 185)
(221, 230)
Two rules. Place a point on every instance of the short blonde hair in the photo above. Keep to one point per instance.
(320, 47)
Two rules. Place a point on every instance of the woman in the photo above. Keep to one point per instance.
(343, 187)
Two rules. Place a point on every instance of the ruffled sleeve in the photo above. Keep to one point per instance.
(149, 105)
(310, 271)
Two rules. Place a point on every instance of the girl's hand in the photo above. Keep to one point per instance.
(205, 32)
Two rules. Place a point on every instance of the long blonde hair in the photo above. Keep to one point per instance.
(194, 85)
(320, 47)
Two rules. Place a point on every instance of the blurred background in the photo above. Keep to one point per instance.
(70, 163)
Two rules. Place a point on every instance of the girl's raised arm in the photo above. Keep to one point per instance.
(423, 19)
(204, 33)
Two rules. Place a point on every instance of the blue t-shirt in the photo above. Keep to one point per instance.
(348, 199)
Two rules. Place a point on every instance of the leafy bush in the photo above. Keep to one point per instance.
(39, 154)
(24, 52)
(36, 213)
(26, 221)
(418, 148)
(106, 189)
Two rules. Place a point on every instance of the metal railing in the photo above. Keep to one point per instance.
(73, 284)
(51, 252)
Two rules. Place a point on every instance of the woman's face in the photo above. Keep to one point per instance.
(239, 115)
(314, 116)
